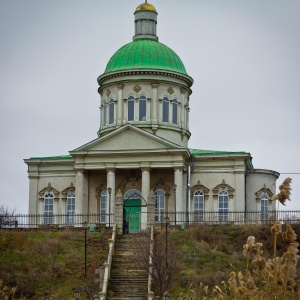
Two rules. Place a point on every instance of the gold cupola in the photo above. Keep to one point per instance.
(146, 6)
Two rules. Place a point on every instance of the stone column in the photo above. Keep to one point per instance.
(178, 180)
(159, 110)
(119, 212)
(81, 193)
(136, 109)
(33, 196)
(111, 182)
(120, 104)
(170, 111)
(239, 193)
(154, 103)
(151, 209)
(145, 193)
(183, 109)
(125, 111)
(145, 182)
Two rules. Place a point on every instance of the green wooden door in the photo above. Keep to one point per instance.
(133, 214)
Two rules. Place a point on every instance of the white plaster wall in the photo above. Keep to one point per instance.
(254, 182)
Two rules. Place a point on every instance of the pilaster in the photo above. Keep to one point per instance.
(119, 211)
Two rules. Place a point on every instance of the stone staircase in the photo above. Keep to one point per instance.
(129, 270)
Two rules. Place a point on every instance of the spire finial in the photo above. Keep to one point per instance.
(146, 1)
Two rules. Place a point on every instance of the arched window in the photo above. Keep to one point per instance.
(159, 205)
(223, 205)
(130, 105)
(264, 206)
(198, 206)
(70, 208)
(132, 194)
(142, 108)
(48, 208)
(104, 112)
(175, 111)
(111, 111)
(165, 109)
(103, 205)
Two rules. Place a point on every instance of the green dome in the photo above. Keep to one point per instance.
(145, 54)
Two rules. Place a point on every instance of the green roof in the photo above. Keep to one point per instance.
(145, 54)
(213, 152)
(61, 157)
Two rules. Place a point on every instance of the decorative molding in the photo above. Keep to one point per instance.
(100, 91)
(264, 190)
(200, 187)
(120, 86)
(65, 192)
(223, 186)
(99, 189)
(182, 90)
(160, 184)
(155, 85)
(137, 88)
(170, 90)
(108, 92)
(49, 189)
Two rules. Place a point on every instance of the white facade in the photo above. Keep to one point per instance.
(142, 148)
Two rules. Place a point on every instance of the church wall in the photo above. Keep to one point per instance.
(58, 182)
(256, 181)
(213, 171)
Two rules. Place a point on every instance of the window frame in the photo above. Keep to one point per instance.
(143, 108)
(48, 213)
(199, 206)
(130, 108)
(160, 205)
(70, 208)
(165, 109)
(103, 207)
(111, 113)
(174, 111)
(223, 199)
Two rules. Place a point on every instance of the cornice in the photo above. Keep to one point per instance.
(118, 74)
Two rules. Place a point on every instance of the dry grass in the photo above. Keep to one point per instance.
(264, 278)
(50, 264)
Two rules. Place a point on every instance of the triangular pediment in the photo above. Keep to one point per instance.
(127, 138)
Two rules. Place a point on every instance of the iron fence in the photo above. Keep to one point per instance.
(178, 218)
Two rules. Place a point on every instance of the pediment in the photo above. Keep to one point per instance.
(128, 137)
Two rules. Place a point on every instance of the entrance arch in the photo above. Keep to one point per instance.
(132, 214)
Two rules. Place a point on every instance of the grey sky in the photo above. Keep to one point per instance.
(244, 57)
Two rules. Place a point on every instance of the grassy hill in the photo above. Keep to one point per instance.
(45, 264)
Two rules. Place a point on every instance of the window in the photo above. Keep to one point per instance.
(142, 108)
(223, 205)
(104, 113)
(175, 109)
(70, 209)
(111, 111)
(165, 109)
(198, 206)
(48, 208)
(130, 104)
(159, 205)
(264, 206)
(103, 205)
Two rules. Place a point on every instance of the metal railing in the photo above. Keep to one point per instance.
(178, 218)
(55, 220)
(229, 217)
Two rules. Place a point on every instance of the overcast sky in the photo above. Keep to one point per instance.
(244, 57)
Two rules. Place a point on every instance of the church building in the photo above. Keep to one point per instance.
(140, 167)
